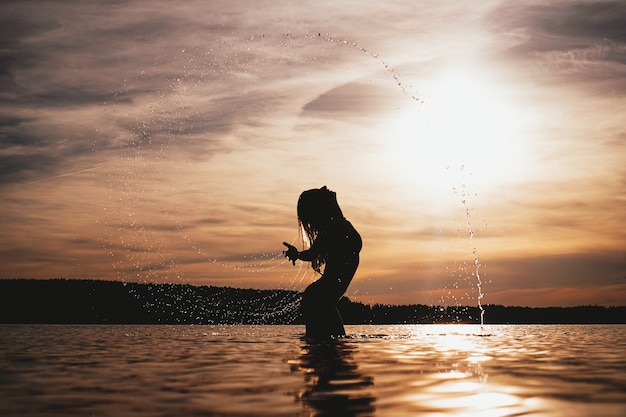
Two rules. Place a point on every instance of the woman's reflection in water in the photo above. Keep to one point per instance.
(333, 384)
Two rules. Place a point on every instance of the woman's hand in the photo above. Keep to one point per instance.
(291, 253)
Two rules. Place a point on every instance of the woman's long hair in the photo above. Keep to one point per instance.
(317, 208)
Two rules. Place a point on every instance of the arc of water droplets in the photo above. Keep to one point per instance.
(340, 41)
(269, 259)
(290, 305)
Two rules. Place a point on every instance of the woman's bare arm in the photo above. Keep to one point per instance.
(307, 255)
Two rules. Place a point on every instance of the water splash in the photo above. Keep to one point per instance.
(170, 120)
(404, 88)
(477, 265)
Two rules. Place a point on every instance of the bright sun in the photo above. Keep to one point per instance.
(466, 128)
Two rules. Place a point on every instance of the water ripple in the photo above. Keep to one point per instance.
(430, 370)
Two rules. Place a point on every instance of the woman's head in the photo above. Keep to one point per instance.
(317, 207)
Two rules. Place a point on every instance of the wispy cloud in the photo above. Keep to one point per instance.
(576, 42)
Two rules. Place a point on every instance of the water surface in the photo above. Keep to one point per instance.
(424, 370)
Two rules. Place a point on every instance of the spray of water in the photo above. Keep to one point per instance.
(470, 231)
(129, 234)
(403, 87)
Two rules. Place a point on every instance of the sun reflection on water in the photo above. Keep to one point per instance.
(447, 373)
(467, 370)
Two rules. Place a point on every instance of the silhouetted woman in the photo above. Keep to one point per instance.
(334, 245)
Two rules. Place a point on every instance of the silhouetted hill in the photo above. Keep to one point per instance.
(90, 302)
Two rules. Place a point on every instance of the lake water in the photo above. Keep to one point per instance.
(423, 370)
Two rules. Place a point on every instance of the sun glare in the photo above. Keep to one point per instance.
(466, 131)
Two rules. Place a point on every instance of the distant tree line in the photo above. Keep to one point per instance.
(71, 301)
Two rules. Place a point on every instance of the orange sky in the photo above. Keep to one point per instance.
(153, 142)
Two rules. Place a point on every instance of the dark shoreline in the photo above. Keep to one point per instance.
(69, 301)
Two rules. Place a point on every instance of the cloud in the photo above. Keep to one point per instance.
(354, 99)
(153, 76)
(582, 21)
(64, 62)
(575, 41)
(576, 269)
(533, 280)
(606, 295)
(561, 24)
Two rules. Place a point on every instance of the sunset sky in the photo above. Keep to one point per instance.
(160, 141)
